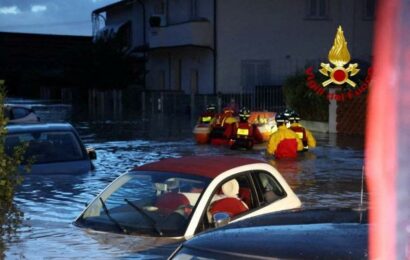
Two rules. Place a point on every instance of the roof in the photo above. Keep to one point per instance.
(18, 128)
(113, 5)
(205, 166)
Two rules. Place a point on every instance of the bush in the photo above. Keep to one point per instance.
(308, 104)
(10, 178)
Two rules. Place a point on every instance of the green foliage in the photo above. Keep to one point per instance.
(10, 178)
(308, 104)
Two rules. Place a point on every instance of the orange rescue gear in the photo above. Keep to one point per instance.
(284, 143)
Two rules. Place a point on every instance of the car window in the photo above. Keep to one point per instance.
(47, 147)
(235, 196)
(158, 204)
(19, 112)
(268, 188)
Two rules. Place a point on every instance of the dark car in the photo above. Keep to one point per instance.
(20, 114)
(53, 148)
(300, 234)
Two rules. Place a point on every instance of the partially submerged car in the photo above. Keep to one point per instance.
(53, 148)
(178, 198)
(20, 114)
(299, 234)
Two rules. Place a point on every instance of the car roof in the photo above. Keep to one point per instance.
(21, 128)
(205, 166)
(324, 234)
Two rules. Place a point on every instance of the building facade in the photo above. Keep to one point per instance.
(232, 46)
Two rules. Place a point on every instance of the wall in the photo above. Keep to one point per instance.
(278, 31)
(191, 58)
(351, 115)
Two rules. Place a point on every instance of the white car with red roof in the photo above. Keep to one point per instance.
(177, 198)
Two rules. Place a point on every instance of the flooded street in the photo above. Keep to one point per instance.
(328, 176)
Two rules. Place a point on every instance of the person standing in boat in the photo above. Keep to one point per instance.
(303, 133)
(284, 143)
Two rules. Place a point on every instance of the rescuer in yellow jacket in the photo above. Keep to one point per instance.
(303, 133)
(284, 143)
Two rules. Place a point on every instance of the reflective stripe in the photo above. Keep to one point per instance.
(300, 135)
(242, 131)
(206, 119)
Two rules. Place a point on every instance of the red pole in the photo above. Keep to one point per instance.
(387, 139)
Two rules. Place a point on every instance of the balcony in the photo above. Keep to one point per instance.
(197, 33)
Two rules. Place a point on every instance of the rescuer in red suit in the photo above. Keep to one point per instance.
(303, 133)
(222, 127)
(284, 143)
(208, 116)
(244, 134)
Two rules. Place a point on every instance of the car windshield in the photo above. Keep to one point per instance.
(47, 147)
(146, 203)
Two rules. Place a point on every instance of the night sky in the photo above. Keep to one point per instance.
(64, 17)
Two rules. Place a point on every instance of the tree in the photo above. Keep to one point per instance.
(107, 65)
(308, 104)
(10, 178)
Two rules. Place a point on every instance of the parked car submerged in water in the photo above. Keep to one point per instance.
(20, 114)
(54, 148)
(300, 234)
(178, 198)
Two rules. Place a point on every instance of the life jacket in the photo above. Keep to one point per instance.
(301, 133)
(243, 130)
(287, 148)
(206, 117)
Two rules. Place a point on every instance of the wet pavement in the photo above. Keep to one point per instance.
(328, 176)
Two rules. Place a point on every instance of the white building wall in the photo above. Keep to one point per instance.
(131, 13)
(277, 31)
(163, 65)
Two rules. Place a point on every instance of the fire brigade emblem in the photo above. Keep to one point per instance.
(339, 56)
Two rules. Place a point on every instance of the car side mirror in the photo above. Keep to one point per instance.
(221, 219)
(91, 154)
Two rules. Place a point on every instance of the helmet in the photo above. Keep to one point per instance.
(281, 118)
(244, 113)
(294, 117)
(288, 112)
(211, 108)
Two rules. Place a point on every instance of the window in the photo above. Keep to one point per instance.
(268, 188)
(19, 112)
(317, 9)
(254, 73)
(47, 147)
(369, 7)
(159, 7)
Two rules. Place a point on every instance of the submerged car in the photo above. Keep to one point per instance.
(52, 148)
(177, 198)
(20, 114)
(300, 234)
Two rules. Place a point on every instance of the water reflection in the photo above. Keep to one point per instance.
(328, 176)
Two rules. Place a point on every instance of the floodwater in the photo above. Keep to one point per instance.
(328, 176)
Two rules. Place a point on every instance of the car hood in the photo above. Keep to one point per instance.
(306, 234)
(139, 246)
(307, 241)
(74, 167)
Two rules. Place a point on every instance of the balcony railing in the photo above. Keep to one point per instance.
(198, 33)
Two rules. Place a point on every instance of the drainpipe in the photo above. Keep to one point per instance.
(215, 46)
(144, 39)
